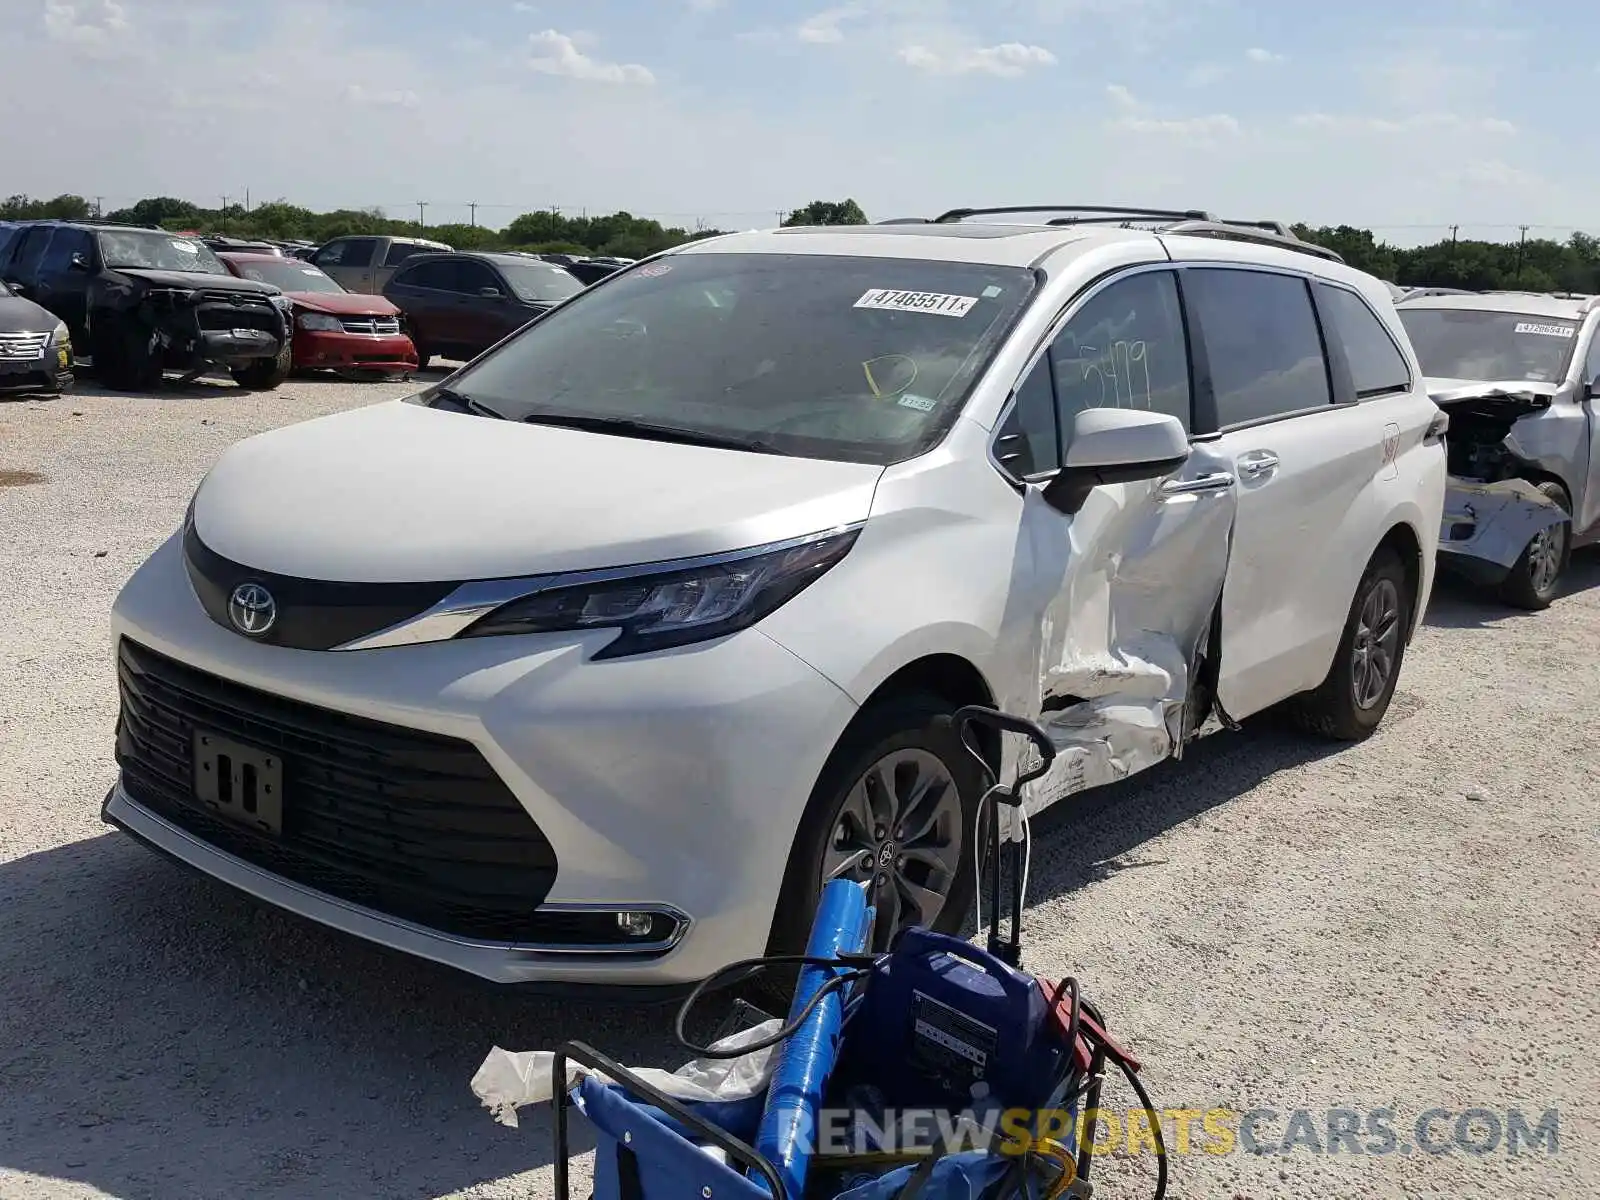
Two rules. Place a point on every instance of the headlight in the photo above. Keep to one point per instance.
(282, 301)
(659, 609)
(59, 336)
(320, 323)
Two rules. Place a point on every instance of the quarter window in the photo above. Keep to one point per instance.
(1027, 444)
(1125, 348)
(1262, 341)
(1376, 364)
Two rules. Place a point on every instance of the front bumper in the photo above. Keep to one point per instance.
(672, 781)
(237, 345)
(1486, 526)
(388, 353)
(51, 373)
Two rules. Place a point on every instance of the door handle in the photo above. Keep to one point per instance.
(1200, 485)
(1258, 464)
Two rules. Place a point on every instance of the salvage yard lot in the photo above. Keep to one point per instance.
(1412, 923)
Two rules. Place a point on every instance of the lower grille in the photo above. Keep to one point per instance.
(220, 311)
(23, 345)
(371, 325)
(403, 822)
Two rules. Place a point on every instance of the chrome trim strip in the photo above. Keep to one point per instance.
(357, 920)
(471, 601)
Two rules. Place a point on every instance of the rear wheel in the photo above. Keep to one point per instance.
(893, 808)
(1536, 576)
(1351, 701)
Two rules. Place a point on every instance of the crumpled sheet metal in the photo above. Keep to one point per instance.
(1135, 586)
(1505, 517)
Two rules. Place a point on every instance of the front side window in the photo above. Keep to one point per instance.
(539, 282)
(151, 250)
(1125, 348)
(852, 358)
(1591, 371)
(472, 277)
(1482, 346)
(1376, 364)
(1262, 341)
(66, 243)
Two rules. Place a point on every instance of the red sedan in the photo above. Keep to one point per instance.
(355, 335)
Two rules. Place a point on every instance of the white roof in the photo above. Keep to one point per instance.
(995, 245)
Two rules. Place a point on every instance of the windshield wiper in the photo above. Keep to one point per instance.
(466, 402)
(635, 428)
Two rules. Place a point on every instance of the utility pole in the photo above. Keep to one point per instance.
(1454, 229)
(474, 208)
(247, 200)
(99, 208)
(1521, 242)
(224, 214)
(422, 220)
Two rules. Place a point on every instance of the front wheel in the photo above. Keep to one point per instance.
(1536, 576)
(264, 374)
(1351, 701)
(893, 808)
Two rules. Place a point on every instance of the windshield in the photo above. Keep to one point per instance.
(1466, 343)
(860, 359)
(543, 283)
(288, 275)
(156, 251)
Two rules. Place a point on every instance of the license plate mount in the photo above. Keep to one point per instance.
(241, 783)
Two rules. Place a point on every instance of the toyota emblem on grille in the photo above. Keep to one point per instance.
(252, 609)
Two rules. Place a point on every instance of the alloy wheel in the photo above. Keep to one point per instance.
(1376, 644)
(1545, 553)
(899, 831)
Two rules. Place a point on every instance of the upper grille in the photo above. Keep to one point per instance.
(313, 614)
(396, 820)
(23, 345)
(371, 325)
(238, 310)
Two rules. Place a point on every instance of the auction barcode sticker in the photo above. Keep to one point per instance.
(1560, 331)
(924, 302)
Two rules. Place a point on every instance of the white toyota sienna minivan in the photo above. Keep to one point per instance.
(589, 664)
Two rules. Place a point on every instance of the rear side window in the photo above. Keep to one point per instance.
(1125, 348)
(1262, 341)
(31, 249)
(1376, 364)
(440, 276)
(400, 251)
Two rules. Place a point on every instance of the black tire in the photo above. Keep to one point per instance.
(122, 361)
(1333, 709)
(1531, 585)
(424, 355)
(901, 723)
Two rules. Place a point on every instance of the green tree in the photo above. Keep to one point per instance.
(61, 208)
(158, 210)
(828, 212)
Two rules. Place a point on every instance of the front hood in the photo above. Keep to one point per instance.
(196, 281)
(401, 493)
(343, 304)
(1519, 392)
(24, 316)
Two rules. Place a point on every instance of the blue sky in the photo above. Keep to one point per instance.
(1402, 117)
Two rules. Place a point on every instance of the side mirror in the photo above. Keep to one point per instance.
(491, 293)
(1594, 388)
(1115, 445)
(78, 262)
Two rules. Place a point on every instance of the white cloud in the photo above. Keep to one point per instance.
(1414, 123)
(522, 6)
(1006, 61)
(1205, 75)
(824, 27)
(356, 94)
(558, 54)
(1134, 117)
(1257, 55)
(704, 6)
(95, 25)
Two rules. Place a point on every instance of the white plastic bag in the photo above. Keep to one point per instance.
(507, 1080)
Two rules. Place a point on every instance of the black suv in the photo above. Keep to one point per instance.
(143, 301)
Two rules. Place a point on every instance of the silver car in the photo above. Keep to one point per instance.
(1519, 375)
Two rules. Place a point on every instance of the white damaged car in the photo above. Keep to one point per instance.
(591, 663)
(1519, 375)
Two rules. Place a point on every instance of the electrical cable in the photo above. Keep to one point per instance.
(848, 969)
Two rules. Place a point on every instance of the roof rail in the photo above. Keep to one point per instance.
(1195, 222)
(1258, 232)
(1084, 212)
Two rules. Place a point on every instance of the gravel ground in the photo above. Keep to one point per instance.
(1408, 924)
